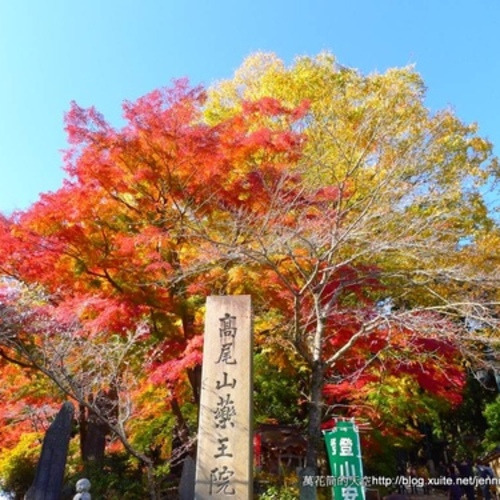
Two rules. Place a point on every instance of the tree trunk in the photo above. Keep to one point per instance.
(92, 436)
(93, 430)
(314, 437)
(82, 427)
(153, 493)
(95, 440)
(194, 377)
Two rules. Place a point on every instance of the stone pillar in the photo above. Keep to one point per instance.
(224, 466)
(186, 486)
(50, 469)
(307, 486)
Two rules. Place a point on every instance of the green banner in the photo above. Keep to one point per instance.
(344, 455)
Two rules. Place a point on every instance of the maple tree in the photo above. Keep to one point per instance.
(113, 275)
(57, 360)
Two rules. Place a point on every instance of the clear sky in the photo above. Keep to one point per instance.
(101, 52)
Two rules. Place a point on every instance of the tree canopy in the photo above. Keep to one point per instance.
(379, 267)
(352, 214)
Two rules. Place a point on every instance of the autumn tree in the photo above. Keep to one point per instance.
(114, 276)
(44, 341)
(373, 260)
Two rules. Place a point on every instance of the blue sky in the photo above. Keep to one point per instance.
(101, 52)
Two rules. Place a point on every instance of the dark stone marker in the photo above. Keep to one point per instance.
(186, 486)
(49, 476)
(307, 484)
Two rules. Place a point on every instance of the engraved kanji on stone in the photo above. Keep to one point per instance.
(224, 412)
(220, 481)
(222, 448)
(225, 383)
(227, 334)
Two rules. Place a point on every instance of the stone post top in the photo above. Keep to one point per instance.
(68, 405)
(82, 485)
(82, 490)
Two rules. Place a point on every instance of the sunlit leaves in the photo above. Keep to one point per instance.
(351, 213)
